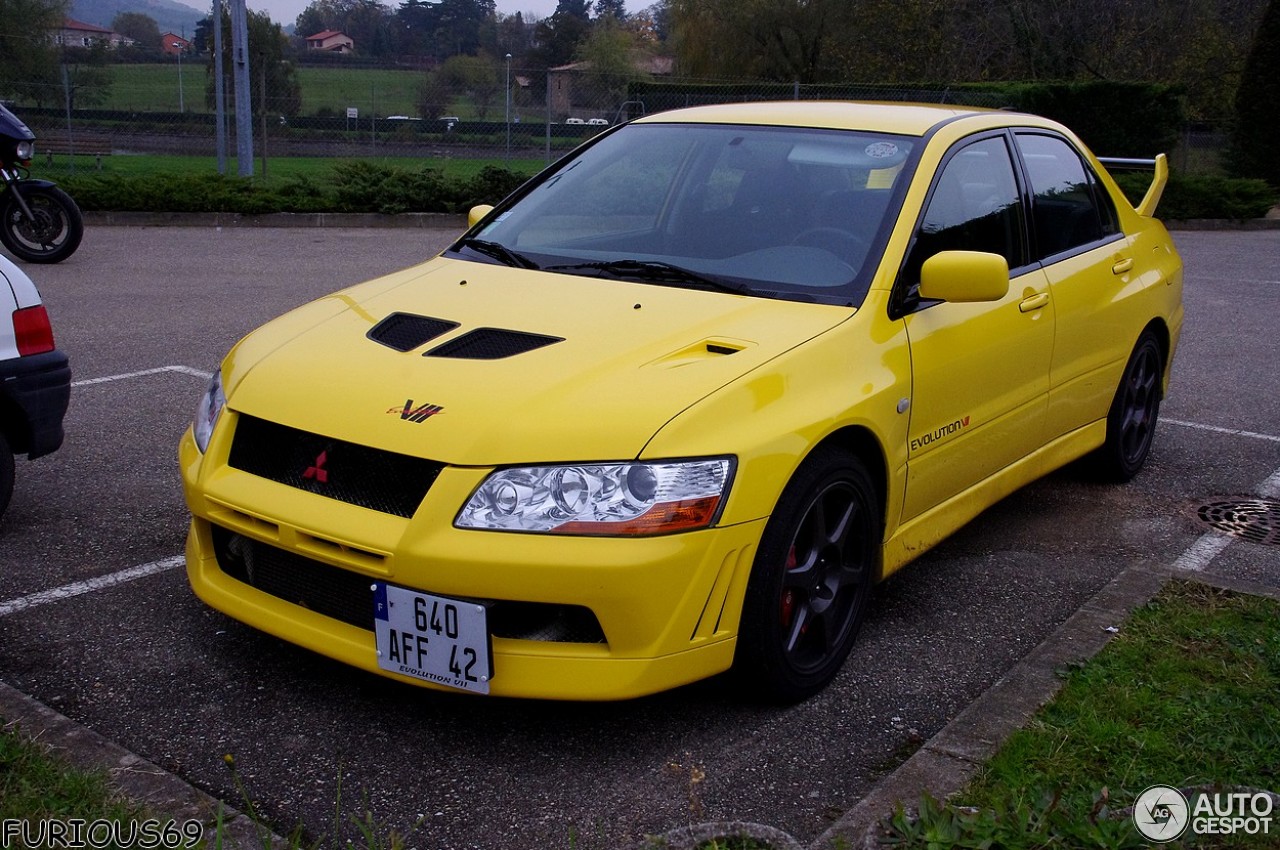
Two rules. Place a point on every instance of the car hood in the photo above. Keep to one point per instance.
(546, 367)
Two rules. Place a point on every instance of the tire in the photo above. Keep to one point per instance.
(6, 473)
(55, 233)
(811, 580)
(1131, 421)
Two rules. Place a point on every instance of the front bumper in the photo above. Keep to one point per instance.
(666, 608)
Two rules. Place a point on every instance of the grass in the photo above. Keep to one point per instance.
(1184, 695)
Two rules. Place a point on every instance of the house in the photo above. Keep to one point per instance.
(560, 80)
(332, 41)
(75, 33)
(173, 44)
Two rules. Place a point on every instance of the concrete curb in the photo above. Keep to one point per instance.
(138, 780)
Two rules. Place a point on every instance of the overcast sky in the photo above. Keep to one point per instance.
(285, 12)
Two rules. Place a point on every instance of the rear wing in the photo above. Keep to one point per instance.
(1160, 165)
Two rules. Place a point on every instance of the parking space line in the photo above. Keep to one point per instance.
(184, 370)
(67, 591)
(1253, 435)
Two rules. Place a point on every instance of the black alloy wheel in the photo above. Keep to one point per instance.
(1131, 422)
(811, 579)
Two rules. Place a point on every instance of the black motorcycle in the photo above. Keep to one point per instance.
(39, 222)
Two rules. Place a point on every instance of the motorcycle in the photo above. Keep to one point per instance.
(39, 222)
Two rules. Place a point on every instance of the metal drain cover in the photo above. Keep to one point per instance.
(1257, 520)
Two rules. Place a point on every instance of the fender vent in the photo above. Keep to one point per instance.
(491, 344)
(405, 331)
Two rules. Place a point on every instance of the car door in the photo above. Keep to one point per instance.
(980, 371)
(1087, 261)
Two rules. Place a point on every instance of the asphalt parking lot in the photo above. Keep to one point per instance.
(97, 621)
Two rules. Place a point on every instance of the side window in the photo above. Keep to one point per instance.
(975, 206)
(1070, 208)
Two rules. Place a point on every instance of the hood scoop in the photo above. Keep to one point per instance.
(491, 344)
(406, 331)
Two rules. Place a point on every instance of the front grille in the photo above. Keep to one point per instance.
(491, 344)
(359, 475)
(348, 597)
(406, 331)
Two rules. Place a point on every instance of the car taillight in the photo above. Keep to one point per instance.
(32, 330)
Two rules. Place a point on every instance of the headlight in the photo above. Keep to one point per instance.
(25, 151)
(211, 404)
(622, 499)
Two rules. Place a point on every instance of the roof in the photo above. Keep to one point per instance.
(73, 24)
(321, 36)
(912, 119)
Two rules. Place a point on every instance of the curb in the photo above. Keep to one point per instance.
(164, 795)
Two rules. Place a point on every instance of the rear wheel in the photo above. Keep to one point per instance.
(51, 234)
(811, 579)
(1131, 422)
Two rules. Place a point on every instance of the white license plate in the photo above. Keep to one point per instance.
(440, 640)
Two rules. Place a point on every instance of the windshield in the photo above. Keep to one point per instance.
(791, 213)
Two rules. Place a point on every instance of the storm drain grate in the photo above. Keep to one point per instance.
(1257, 520)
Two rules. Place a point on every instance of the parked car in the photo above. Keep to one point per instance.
(598, 122)
(574, 121)
(676, 405)
(35, 377)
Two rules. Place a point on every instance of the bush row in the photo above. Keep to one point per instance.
(359, 186)
(354, 186)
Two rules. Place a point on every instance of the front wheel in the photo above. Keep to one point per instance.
(52, 232)
(812, 577)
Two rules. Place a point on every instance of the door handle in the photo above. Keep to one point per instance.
(1035, 302)
(1122, 266)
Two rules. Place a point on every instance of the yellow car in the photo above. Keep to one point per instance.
(676, 404)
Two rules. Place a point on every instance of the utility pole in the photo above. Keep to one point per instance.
(244, 100)
(219, 92)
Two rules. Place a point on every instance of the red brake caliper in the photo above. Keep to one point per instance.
(789, 595)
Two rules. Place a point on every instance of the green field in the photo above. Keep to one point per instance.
(377, 91)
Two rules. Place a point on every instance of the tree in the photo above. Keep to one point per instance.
(479, 78)
(369, 23)
(609, 54)
(86, 79)
(434, 96)
(779, 40)
(558, 36)
(616, 9)
(142, 28)
(1255, 145)
(28, 58)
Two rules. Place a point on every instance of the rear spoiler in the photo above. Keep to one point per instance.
(1160, 165)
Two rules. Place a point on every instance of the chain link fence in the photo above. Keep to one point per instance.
(346, 112)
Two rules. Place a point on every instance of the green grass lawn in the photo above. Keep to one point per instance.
(376, 91)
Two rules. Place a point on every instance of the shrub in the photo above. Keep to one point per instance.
(1189, 196)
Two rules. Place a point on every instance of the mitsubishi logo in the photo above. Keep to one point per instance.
(317, 471)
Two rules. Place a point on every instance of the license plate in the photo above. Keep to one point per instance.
(439, 640)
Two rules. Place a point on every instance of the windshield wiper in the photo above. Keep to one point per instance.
(499, 252)
(655, 271)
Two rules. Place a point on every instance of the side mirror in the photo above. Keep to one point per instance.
(478, 212)
(964, 276)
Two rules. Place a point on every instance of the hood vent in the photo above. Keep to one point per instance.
(491, 344)
(405, 331)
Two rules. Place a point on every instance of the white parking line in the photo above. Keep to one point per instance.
(1253, 435)
(67, 591)
(185, 370)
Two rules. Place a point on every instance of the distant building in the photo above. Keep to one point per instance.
(560, 81)
(174, 44)
(332, 41)
(79, 34)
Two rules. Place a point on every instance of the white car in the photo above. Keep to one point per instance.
(598, 122)
(35, 377)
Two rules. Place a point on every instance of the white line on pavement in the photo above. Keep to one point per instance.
(1204, 550)
(1214, 428)
(184, 370)
(67, 591)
